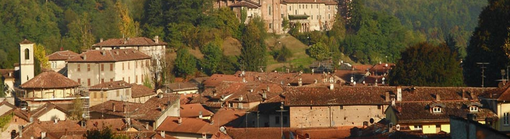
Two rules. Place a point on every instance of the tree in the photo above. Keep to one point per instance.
(3, 88)
(105, 133)
(427, 65)
(282, 55)
(185, 63)
(212, 58)
(77, 109)
(318, 51)
(40, 54)
(127, 25)
(489, 43)
(253, 52)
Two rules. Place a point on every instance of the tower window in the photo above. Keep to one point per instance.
(27, 54)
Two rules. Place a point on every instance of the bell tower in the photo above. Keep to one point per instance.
(26, 60)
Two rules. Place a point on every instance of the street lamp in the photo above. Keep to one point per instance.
(281, 118)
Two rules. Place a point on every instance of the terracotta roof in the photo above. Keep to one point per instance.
(7, 73)
(49, 80)
(248, 4)
(414, 112)
(228, 117)
(309, 1)
(188, 125)
(356, 95)
(150, 111)
(382, 68)
(109, 55)
(137, 41)
(297, 133)
(216, 79)
(61, 55)
(107, 108)
(182, 86)
(501, 93)
(43, 109)
(141, 91)
(238, 92)
(362, 67)
(25, 41)
(110, 85)
(194, 110)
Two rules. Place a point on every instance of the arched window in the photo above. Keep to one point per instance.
(27, 54)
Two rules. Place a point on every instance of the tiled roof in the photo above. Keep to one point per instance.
(25, 41)
(110, 85)
(137, 41)
(413, 112)
(228, 117)
(353, 95)
(107, 108)
(182, 86)
(248, 4)
(188, 125)
(501, 93)
(109, 55)
(150, 111)
(310, 1)
(297, 133)
(43, 109)
(7, 73)
(216, 79)
(62, 55)
(383, 67)
(141, 91)
(49, 80)
(238, 92)
(194, 110)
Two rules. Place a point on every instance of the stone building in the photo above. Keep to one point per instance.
(119, 91)
(58, 60)
(26, 61)
(99, 66)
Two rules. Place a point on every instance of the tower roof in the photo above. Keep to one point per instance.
(25, 41)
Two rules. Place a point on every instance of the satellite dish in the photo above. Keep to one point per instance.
(397, 127)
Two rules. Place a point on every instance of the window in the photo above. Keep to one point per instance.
(111, 79)
(102, 80)
(505, 118)
(270, 25)
(299, 6)
(102, 67)
(122, 66)
(290, 8)
(88, 67)
(329, 7)
(129, 79)
(418, 127)
(306, 6)
(277, 120)
(311, 16)
(436, 109)
(95, 95)
(318, 17)
(285, 120)
(136, 64)
(269, 9)
(27, 54)
(88, 82)
(282, 15)
(295, 12)
(136, 78)
(379, 106)
(329, 16)
(79, 67)
(111, 67)
(341, 107)
(317, 6)
(473, 108)
(118, 93)
(79, 80)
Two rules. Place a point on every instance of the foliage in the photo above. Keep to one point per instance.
(285, 24)
(225, 20)
(147, 82)
(318, 51)
(105, 133)
(185, 63)
(3, 88)
(77, 109)
(294, 29)
(427, 65)
(40, 55)
(228, 65)
(253, 52)
(127, 26)
(489, 43)
(212, 58)
(282, 55)
(5, 120)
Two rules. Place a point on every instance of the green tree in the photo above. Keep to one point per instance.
(212, 58)
(254, 48)
(489, 43)
(105, 133)
(427, 65)
(318, 51)
(127, 25)
(282, 55)
(40, 55)
(77, 109)
(185, 63)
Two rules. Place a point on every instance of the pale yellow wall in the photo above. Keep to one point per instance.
(49, 93)
(57, 65)
(54, 113)
(4, 108)
(445, 128)
(98, 97)
(134, 71)
(429, 129)
(324, 116)
(502, 108)
(26, 65)
(186, 92)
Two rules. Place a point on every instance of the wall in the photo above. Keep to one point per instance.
(57, 65)
(4, 109)
(26, 65)
(54, 113)
(333, 116)
(185, 135)
(49, 93)
(123, 94)
(133, 71)
(503, 108)
(174, 110)
(194, 91)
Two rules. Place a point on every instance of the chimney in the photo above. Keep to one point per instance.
(331, 86)
(82, 123)
(212, 122)
(399, 93)
(20, 131)
(128, 121)
(179, 121)
(244, 79)
(43, 135)
(387, 95)
(268, 88)
(313, 71)
(55, 121)
(162, 133)
(288, 70)
(156, 39)
(464, 97)
(101, 40)
(200, 114)
(147, 125)
(438, 98)
(113, 107)
(300, 81)
(85, 57)
(124, 108)
(264, 95)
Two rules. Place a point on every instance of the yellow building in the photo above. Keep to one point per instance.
(499, 101)
(433, 117)
(47, 87)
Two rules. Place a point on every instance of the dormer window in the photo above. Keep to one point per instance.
(436, 109)
(473, 108)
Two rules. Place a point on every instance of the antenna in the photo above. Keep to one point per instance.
(483, 67)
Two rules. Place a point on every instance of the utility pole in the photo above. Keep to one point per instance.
(483, 67)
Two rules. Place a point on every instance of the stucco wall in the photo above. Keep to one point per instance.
(332, 116)
(54, 113)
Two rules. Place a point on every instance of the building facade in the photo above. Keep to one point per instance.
(58, 60)
(100, 66)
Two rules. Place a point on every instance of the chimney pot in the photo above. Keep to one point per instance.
(162, 133)
(101, 40)
(438, 98)
(387, 95)
(331, 86)
(179, 121)
(156, 39)
(399, 93)
(113, 107)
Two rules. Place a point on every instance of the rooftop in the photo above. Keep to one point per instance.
(137, 41)
(62, 55)
(49, 80)
(109, 55)
(110, 85)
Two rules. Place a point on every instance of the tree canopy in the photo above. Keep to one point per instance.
(489, 43)
(254, 49)
(425, 64)
(185, 63)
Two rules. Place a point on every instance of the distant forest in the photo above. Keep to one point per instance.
(384, 29)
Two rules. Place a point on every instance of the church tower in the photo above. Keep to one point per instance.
(26, 60)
